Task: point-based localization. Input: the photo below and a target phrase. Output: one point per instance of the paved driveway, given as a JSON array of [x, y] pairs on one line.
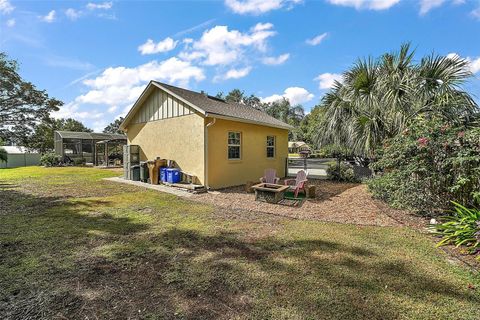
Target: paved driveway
[[317, 168]]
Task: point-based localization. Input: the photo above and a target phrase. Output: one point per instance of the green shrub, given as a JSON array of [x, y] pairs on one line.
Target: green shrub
[[341, 172], [50, 159], [461, 228], [428, 166], [79, 161], [3, 155]]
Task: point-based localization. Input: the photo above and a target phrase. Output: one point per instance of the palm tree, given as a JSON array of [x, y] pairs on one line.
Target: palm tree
[[378, 98]]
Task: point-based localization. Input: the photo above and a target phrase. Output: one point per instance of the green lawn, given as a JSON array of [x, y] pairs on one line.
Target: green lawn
[[74, 246]]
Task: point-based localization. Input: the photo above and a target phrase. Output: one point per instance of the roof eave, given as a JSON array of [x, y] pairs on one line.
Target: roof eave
[[219, 116], [140, 100]]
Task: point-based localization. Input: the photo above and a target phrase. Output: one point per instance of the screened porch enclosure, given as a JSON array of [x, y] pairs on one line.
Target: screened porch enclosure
[[99, 149]]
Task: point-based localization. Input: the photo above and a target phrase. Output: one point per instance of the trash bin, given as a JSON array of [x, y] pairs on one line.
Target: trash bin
[[143, 171], [135, 174], [163, 174], [173, 175], [153, 167]]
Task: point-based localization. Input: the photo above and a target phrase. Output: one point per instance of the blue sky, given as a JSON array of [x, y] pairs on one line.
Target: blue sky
[[98, 56]]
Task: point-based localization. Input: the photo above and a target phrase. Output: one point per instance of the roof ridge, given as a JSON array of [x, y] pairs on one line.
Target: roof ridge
[[213, 105]]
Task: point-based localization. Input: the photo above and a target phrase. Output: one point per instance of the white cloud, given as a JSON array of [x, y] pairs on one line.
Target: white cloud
[[191, 29], [6, 7], [71, 110], [476, 13], [117, 88], [317, 40], [220, 46], [276, 60], [473, 63], [103, 5], [151, 47], [366, 4], [296, 95], [72, 14], [10, 23], [234, 74], [257, 7], [326, 80], [99, 125], [49, 18], [65, 62], [120, 86], [427, 5]]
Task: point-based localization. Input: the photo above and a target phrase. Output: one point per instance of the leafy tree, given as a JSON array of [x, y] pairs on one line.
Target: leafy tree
[[22, 105], [236, 95], [3, 155], [114, 127], [378, 98], [293, 115], [280, 109], [307, 127], [43, 140]]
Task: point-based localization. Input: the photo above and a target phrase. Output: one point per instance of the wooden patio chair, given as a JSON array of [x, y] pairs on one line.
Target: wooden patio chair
[[298, 184], [270, 176]]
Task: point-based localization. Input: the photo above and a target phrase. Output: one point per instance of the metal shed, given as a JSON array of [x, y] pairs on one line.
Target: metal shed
[[20, 157], [99, 149]]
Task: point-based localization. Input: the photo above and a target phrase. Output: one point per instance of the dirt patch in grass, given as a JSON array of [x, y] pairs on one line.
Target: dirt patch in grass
[[334, 202]]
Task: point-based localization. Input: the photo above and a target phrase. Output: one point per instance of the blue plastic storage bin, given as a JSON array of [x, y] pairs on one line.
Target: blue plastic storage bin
[[173, 175], [163, 174]]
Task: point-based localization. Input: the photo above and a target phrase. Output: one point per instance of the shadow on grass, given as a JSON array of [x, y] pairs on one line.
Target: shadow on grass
[[40, 237], [176, 273], [186, 274]]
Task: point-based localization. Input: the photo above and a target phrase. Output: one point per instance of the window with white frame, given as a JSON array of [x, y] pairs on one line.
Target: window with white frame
[[234, 145], [270, 146]]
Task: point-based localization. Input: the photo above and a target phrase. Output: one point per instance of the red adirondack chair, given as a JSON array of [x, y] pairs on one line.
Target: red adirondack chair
[[298, 184], [270, 176]]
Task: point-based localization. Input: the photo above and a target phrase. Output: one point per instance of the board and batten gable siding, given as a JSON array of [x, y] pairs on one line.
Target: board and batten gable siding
[[160, 105], [165, 127]]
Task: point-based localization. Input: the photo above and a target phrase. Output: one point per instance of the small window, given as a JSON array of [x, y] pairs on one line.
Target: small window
[[270, 146], [234, 145]]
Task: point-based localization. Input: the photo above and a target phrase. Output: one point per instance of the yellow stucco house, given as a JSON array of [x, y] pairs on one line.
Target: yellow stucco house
[[221, 143]]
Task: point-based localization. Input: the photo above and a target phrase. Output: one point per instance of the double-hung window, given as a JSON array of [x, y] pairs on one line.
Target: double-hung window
[[234, 145], [270, 146]]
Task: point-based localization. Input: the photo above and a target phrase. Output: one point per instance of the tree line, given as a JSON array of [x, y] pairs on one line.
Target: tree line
[[376, 100], [25, 112]]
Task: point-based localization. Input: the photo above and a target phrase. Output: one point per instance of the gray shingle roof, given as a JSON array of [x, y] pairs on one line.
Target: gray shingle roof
[[215, 106], [90, 135]]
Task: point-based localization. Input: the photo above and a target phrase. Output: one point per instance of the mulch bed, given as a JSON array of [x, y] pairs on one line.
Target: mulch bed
[[333, 202]]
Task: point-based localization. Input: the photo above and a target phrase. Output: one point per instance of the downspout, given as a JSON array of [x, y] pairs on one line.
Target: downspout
[[205, 151]]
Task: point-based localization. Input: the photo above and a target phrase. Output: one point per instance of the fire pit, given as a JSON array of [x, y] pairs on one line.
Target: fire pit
[[269, 192]]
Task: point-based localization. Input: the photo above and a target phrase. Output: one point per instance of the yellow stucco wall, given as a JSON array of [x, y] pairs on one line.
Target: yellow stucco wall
[[223, 172], [179, 138]]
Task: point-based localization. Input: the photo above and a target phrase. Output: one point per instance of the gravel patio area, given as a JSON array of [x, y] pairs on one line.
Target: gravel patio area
[[334, 202]]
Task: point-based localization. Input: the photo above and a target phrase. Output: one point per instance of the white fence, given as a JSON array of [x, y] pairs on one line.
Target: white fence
[[21, 160]]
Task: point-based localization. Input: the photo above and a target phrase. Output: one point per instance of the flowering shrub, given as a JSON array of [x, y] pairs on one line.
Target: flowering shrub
[[428, 166]]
